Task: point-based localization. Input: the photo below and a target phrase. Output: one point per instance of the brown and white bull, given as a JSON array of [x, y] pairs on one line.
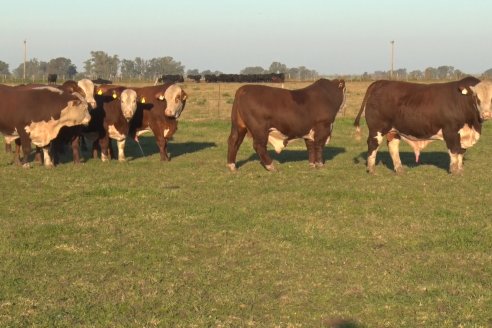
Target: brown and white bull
[[37, 115], [279, 116], [421, 113], [158, 109], [116, 106]]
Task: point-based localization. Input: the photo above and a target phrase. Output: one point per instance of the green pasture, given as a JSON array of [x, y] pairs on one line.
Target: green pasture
[[188, 244]]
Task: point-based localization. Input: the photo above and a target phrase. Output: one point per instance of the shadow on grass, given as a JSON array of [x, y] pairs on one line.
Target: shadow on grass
[[294, 155], [149, 147], [341, 323], [434, 158]]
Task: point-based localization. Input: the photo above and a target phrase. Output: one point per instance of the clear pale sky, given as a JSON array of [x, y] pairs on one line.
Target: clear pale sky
[[332, 37]]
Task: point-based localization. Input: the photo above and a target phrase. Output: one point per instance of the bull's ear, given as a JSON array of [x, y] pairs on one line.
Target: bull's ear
[[341, 84], [183, 95]]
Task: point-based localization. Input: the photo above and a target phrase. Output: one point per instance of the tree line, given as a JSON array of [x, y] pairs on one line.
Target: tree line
[[102, 65]]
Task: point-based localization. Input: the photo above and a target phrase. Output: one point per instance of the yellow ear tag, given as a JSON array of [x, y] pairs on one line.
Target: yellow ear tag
[[115, 96], [143, 100], [464, 92], [100, 92], [161, 97]]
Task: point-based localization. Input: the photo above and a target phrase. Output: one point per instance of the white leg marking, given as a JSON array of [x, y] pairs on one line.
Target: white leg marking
[[121, 150], [394, 146], [47, 158]]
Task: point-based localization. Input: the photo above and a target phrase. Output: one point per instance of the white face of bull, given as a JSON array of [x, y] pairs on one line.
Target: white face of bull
[[483, 95], [88, 87], [175, 98], [128, 103], [76, 113]]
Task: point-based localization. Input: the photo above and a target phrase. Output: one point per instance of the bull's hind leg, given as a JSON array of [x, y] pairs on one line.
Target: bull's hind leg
[[311, 152], [373, 142], [235, 139], [394, 150]]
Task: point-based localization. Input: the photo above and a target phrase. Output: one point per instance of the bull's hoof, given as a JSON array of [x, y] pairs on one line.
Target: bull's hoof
[[454, 169], [371, 170], [49, 166], [319, 165], [313, 165], [26, 165], [399, 170], [231, 167], [122, 160], [270, 168]]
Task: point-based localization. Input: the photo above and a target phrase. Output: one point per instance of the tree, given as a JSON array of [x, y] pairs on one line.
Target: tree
[[163, 65], [128, 69], [277, 67], [487, 74], [193, 72], [4, 68], [445, 72], [35, 69], [253, 70], [416, 75], [430, 73], [102, 65], [62, 67]]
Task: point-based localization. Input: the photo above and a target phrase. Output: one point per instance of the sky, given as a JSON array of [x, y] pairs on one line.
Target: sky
[[331, 37]]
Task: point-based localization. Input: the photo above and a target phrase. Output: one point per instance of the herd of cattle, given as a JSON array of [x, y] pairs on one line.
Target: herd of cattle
[[50, 116]]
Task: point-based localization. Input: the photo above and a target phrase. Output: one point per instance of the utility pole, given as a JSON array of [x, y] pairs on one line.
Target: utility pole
[[392, 58], [25, 58]]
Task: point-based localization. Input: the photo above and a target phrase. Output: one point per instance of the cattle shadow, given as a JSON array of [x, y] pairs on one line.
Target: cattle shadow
[[293, 155], [149, 147], [433, 158]]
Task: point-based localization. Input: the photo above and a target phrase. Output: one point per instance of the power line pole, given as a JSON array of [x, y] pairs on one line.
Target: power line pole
[[25, 58], [392, 58]]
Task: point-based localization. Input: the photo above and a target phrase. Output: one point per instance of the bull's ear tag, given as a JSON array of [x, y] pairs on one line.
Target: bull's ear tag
[[464, 91], [100, 92], [161, 97], [115, 96], [143, 100]]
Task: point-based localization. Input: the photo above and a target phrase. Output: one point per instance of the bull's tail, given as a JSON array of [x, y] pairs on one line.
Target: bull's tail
[[362, 108]]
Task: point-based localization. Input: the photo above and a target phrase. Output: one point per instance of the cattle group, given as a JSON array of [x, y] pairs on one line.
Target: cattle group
[[50, 116]]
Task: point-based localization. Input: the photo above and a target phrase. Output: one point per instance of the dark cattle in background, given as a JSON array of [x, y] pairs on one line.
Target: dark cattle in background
[[278, 116], [246, 78], [102, 81], [195, 78], [171, 78], [421, 113], [52, 78]]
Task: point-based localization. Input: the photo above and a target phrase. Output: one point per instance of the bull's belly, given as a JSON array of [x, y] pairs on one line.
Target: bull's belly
[[468, 137], [279, 140]]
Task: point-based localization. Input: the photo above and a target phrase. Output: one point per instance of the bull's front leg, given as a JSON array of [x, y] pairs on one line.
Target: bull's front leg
[[453, 142], [259, 144], [26, 149], [121, 150], [104, 144], [162, 144], [373, 141], [75, 144], [47, 157]]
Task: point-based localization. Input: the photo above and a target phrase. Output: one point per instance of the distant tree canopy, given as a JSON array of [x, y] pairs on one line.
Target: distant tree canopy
[[487, 74], [294, 73], [102, 65], [4, 68]]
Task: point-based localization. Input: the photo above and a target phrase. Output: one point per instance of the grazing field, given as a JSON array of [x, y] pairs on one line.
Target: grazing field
[[189, 244]]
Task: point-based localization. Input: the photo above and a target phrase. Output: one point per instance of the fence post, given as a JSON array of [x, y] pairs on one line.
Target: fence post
[[218, 105]]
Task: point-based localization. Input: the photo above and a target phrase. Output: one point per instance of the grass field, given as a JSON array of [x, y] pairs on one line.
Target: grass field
[[188, 244]]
